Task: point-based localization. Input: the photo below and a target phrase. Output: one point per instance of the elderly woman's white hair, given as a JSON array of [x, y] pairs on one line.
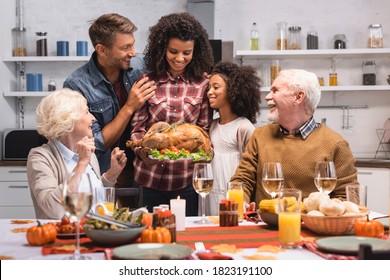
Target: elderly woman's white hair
[[302, 80], [57, 113]]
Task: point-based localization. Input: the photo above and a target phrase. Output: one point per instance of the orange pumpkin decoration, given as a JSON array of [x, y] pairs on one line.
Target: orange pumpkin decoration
[[41, 234], [156, 235], [371, 228], [147, 219]]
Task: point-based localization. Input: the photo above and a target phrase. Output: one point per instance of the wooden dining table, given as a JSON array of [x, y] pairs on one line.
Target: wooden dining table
[[247, 238]]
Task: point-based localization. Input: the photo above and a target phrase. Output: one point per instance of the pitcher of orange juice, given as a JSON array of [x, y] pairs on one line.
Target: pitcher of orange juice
[[105, 201]]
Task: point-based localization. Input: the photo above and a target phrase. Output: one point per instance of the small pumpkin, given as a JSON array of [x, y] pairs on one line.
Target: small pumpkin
[[156, 235], [41, 234], [147, 219], [367, 228]]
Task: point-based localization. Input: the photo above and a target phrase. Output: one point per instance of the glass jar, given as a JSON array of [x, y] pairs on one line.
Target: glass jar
[[375, 37], [333, 74], [254, 43], [275, 69], [369, 72], [312, 39], [51, 86], [19, 41], [321, 81], [281, 42], [340, 41], [295, 38], [41, 43]]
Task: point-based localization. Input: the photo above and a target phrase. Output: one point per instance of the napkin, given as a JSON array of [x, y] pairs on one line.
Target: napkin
[[212, 256], [314, 248], [68, 246]]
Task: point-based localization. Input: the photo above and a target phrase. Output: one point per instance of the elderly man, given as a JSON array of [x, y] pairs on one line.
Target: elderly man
[[295, 140]]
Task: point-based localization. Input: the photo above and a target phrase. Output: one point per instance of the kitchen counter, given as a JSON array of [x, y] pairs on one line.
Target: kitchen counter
[[372, 162], [13, 162]]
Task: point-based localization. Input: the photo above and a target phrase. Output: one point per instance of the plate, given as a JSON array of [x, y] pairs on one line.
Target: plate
[[350, 244], [152, 251], [69, 235]]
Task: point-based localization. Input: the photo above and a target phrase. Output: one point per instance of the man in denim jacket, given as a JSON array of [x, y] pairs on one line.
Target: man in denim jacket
[[113, 88]]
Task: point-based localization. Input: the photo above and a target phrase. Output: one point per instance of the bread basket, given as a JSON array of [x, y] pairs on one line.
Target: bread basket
[[332, 225]]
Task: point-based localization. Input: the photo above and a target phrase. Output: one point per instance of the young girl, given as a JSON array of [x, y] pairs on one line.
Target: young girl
[[234, 92]]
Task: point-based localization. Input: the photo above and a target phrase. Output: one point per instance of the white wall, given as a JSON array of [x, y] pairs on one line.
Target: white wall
[[69, 20], [233, 21]]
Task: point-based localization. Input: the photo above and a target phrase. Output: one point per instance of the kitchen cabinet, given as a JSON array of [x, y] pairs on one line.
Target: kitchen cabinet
[[327, 54], [15, 198], [378, 188]]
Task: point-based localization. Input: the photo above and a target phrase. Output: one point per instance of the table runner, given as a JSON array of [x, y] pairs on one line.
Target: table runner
[[242, 237]]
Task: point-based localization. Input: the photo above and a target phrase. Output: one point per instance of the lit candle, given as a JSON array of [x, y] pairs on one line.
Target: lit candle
[[178, 207]]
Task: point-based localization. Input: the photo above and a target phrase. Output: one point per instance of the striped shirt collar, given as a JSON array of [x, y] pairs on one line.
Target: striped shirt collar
[[304, 131]]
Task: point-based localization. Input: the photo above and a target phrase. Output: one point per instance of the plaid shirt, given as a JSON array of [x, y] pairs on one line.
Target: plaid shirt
[[176, 99], [304, 131]]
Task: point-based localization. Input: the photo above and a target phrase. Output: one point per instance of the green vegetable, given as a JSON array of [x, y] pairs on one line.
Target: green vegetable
[[170, 155]]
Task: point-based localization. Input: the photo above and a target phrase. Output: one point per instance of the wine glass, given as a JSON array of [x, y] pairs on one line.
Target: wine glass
[[203, 182], [273, 179], [77, 202], [325, 177]]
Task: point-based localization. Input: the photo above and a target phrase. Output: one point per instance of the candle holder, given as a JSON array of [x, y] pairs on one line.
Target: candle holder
[[168, 220], [228, 213]]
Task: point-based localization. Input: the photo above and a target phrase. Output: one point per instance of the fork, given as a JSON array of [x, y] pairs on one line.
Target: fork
[[199, 247]]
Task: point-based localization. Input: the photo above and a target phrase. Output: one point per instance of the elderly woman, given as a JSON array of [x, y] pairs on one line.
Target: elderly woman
[[63, 118]]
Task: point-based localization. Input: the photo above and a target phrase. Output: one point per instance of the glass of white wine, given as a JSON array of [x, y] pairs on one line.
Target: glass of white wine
[[325, 177], [273, 179], [202, 181], [77, 202]]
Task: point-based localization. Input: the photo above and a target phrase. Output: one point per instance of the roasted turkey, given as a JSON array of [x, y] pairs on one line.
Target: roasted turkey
[[162, 135]]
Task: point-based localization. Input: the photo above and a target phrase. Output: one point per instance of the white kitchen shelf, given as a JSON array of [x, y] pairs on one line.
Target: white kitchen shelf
[[45, 58], [346, 88], [26, 93], [312, 54]]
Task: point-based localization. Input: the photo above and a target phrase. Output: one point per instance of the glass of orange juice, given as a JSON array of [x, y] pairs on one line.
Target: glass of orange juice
[[105, 200], [236, 192], [289, 212]]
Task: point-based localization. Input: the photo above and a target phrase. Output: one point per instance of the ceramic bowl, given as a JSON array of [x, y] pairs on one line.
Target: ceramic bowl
[[114, 237], [270, 219]]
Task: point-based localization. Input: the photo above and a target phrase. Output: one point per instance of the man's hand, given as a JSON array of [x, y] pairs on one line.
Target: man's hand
[[141, 91]]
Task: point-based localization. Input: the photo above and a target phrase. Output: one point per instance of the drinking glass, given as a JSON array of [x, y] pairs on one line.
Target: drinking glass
[[236, 193], [289, 217], [325, 177], [202, 181], [104, 200], [273, 179], [77, 202]]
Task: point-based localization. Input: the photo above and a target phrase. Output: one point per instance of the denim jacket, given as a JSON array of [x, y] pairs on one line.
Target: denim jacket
[[101, 98]]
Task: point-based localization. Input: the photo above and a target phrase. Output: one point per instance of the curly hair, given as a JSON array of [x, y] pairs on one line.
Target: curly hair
[[57, 113], [103, 30], [243, 88], [184, 27]]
